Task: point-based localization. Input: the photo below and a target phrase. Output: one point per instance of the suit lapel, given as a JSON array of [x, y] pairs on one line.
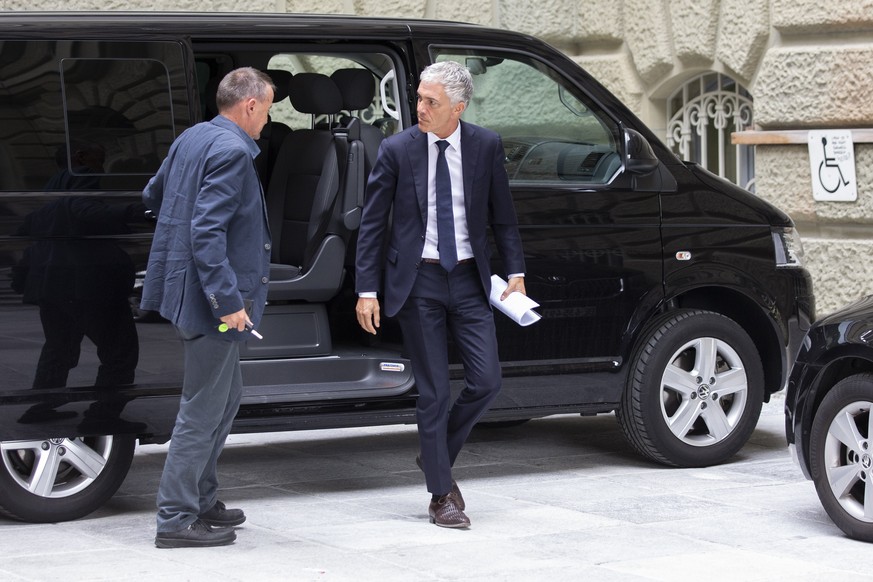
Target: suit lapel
[[469, 156], [417, 154]]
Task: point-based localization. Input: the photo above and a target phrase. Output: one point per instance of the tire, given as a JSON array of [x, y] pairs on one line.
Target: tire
[[694, 392], [53, 480], [841, 459]]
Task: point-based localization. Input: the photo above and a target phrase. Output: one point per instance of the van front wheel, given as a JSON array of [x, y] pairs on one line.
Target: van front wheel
[[59, 479], [695, 390]]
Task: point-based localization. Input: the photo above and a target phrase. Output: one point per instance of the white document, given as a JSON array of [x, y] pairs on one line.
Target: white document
[[519, 307]]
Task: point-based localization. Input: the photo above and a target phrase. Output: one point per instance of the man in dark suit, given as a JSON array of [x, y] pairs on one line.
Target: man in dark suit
[[443, 184], [210, 259]]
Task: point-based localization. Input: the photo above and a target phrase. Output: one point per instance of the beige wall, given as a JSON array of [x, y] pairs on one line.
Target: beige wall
[[807, 64]]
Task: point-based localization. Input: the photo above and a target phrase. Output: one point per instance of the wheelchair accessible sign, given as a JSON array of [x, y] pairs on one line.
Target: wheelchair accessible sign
[[832, 163]]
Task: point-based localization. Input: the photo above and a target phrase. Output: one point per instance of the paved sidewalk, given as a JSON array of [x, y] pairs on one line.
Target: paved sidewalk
[[555, 499]]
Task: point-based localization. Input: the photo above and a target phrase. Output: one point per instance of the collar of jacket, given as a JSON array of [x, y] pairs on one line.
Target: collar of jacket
[[225, 123]]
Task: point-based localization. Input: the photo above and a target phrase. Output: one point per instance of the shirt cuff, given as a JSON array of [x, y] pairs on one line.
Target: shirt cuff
[[516, 275], [368, 295]]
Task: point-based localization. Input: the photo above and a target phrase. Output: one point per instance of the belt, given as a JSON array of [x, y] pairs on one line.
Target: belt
[[437, 261]]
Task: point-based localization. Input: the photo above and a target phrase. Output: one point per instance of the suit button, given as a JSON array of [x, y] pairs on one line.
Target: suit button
[[265, 280], [268, 246]]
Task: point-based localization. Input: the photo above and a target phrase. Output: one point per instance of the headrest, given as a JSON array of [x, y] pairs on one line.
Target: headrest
[[280, 80], [357, 86], [209, 92], [314, 93]]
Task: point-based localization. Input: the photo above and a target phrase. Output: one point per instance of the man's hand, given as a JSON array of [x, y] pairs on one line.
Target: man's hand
[[514, 284], [367, 310], [237, 320]]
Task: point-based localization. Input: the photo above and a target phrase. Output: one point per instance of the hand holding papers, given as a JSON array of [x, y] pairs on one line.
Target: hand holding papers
[[517, 306]]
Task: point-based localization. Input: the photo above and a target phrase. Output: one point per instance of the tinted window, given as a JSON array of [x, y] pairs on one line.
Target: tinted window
[[551, 131], [73, 119]]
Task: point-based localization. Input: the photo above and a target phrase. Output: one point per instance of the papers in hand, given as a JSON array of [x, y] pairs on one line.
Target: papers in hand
[[517, 306]]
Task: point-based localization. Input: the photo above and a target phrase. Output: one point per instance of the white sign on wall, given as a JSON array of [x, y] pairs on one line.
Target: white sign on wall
[[832, 163]]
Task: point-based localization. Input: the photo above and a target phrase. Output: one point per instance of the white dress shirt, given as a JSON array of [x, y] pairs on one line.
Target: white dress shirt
[[456, 172], [459, 210]]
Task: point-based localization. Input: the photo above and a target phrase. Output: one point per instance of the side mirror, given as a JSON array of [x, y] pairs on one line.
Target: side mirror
[[639, 158]]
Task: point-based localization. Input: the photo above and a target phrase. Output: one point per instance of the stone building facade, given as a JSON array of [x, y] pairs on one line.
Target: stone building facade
[[804, 65]]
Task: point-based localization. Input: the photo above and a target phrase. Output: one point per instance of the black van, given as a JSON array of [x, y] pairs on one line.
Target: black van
[[668, 296]]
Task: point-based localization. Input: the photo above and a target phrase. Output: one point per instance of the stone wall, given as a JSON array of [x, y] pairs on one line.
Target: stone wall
[[807, 64]]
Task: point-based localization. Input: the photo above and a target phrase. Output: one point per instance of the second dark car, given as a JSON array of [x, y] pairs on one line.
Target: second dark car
[[828, 421]]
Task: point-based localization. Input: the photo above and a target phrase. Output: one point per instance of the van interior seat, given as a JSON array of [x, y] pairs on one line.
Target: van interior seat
[[209, 91], [310, 172], [274, 132], [358, 87]]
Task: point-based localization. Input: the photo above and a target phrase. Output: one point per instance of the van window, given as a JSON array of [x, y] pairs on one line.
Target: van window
[[551, 131], [73, 118], [374, 114]]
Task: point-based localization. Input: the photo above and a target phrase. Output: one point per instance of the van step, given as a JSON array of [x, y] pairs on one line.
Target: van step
[[339, 376]]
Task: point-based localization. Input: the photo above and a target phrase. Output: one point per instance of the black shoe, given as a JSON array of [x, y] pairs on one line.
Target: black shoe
[[459, 499], [221, 516], [196, 535]]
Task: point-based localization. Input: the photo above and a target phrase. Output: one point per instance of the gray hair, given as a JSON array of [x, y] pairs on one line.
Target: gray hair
[[454, 77], [241, 84]]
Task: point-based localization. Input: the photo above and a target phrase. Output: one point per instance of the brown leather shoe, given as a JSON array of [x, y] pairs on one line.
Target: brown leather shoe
[[455, 489], [445, 512]]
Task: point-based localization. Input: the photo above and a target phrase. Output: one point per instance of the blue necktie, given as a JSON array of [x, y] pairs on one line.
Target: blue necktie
[[445, 216]]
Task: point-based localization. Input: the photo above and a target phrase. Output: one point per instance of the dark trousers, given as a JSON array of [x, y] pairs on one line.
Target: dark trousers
[[441, 303], [211, 394]]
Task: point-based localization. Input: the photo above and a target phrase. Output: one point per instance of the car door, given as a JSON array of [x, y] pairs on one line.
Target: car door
[[591, 232]]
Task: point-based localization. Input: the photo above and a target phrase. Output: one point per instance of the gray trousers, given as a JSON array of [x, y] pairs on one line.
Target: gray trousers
[[211, 393]]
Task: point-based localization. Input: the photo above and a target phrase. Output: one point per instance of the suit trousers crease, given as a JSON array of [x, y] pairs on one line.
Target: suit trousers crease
[[211, 395], [441, 303]]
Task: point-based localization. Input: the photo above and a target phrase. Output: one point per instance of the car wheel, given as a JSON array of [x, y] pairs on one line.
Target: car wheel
[[841, 459], [695, 390], [60, 479]]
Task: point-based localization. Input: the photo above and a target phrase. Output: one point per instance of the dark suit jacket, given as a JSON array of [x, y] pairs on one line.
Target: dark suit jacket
[[398, 182], [211, 250]]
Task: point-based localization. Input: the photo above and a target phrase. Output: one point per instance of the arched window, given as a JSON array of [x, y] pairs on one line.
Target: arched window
[[702, 114]]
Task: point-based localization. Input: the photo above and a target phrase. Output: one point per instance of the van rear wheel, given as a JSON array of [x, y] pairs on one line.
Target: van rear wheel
[[695, 390], [59, 479]]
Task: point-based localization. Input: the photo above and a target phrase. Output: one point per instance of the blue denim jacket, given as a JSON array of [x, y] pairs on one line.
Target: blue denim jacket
[[210, 256]]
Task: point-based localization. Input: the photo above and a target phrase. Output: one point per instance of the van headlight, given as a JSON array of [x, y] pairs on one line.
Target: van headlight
[[788, 248]]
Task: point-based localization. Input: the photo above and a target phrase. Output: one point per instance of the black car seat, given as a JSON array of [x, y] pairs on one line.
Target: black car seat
[[358, 86], [274, 132], [313, 196], [209, 92]]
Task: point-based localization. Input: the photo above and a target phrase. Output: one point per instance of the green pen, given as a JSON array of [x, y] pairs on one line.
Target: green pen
[[223, 327]]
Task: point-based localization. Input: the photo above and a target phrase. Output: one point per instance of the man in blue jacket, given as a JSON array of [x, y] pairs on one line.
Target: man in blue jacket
[[209, 262]]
